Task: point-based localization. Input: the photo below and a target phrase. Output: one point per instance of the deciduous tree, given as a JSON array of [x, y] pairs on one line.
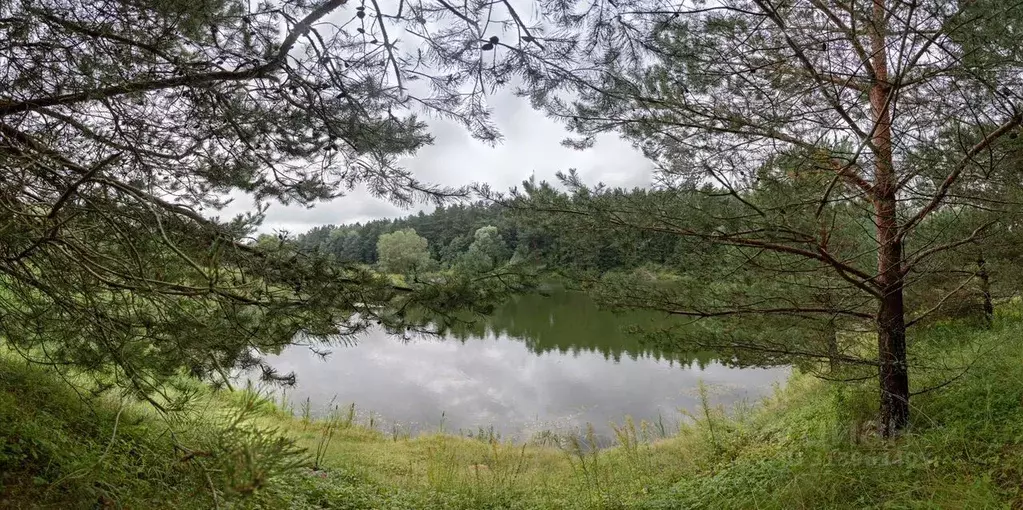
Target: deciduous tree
[[403, 251]]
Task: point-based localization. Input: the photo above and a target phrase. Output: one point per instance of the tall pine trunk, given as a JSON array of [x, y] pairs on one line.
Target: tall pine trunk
[[891, 320], [891, 337]]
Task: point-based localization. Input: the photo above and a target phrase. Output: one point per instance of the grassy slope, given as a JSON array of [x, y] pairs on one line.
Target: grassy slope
[[54, 449], [805, 448]]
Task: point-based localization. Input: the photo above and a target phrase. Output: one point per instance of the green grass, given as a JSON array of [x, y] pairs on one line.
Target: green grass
[[58, 450], [809, 446]]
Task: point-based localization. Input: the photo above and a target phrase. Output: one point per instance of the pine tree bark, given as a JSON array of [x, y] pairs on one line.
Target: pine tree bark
[[891, 319], [985, 291], [891, 349]]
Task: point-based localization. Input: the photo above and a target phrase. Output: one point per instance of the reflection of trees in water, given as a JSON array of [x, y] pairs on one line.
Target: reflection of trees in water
[[568, 322]]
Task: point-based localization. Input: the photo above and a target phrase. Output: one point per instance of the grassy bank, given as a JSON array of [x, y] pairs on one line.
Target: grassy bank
[[809, 446]]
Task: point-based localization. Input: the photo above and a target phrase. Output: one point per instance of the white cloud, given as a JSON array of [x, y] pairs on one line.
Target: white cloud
[[532, 146]]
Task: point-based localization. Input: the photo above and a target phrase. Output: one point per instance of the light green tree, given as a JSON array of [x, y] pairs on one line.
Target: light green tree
[[486, 252], [403, 251]]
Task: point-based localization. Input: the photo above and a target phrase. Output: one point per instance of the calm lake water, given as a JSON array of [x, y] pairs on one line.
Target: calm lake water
[[538, 363]]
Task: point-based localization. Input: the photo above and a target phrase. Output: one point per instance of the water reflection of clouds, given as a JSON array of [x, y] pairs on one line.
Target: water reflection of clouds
[[500, 382]]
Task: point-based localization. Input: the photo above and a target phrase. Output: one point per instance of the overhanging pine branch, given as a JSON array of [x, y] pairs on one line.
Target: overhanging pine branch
[[953, 176], [300, 29]]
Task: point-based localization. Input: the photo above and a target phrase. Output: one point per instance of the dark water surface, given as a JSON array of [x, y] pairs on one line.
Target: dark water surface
[[539, 363]]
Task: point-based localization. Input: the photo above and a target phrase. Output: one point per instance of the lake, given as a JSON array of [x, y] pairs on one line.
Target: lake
[[540, 362]]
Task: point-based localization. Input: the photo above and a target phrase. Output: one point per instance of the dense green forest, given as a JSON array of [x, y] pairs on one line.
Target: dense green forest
[[530, 231], [452, 231]]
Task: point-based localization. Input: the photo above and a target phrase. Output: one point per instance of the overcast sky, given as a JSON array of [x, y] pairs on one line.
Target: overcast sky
[[532, 146]]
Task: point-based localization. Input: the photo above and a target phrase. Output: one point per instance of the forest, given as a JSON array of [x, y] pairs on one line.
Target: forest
[[500, 235], [813, 303]]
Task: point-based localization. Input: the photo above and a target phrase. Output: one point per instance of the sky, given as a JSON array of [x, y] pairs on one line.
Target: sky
[[531, 146]]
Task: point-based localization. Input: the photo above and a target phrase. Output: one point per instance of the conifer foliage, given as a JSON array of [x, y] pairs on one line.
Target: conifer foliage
[[124, 127]]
